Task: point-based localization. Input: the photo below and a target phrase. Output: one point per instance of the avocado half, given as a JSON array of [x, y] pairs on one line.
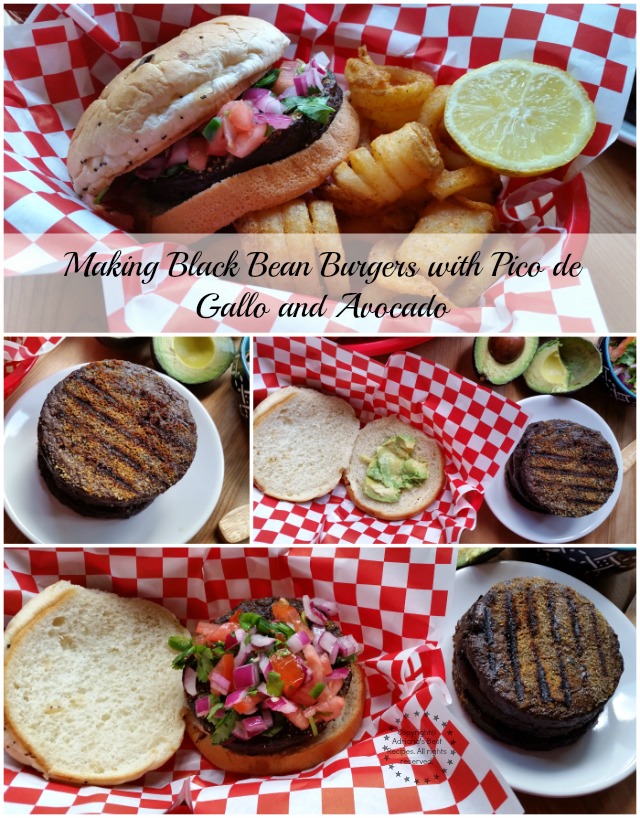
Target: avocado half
[[194, 359], [496, 372], [563, 365]]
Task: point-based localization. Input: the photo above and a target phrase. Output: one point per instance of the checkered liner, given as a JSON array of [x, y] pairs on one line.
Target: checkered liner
[[60, 60], [18, 349], [476, 428], [393, 601]]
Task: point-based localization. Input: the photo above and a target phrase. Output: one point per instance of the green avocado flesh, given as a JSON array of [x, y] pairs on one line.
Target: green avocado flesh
[[491, 370], [563, 365], [393, 469], [193, 360]]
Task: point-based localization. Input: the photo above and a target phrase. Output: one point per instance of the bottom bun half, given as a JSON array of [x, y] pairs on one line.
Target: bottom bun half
[[264, 186], [332, 740]]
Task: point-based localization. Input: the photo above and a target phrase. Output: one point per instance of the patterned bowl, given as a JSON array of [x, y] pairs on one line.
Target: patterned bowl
[[611, 380], [240, 377], [586, 562]]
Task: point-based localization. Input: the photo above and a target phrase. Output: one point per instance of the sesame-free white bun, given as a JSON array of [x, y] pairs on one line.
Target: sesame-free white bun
[[163, 96], [302, 441], [412, 500], [90, 695]]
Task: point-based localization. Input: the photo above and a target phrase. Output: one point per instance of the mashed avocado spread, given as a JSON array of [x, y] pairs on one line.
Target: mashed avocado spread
[[393, 469]]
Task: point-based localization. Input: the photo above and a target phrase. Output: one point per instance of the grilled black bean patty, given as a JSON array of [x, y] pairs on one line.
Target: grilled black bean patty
[[535, 663], [112, 436]]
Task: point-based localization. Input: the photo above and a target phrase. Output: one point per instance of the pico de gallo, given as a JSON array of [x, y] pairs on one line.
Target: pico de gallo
[[622, 354], [273, 672]]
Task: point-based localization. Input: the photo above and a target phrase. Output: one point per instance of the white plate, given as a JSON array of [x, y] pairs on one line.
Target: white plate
[[174, 517], [604, 755], [548, 528]]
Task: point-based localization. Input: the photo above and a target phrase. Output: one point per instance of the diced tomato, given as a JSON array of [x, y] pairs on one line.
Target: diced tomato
[[246, 142], [225, 668], [240, 115], [218, 147], [291, 673], [288, 71], [314, 663], [303, 695], [298, 718], [329, 709], [211, 632], [334, 685], [198, 152], [248, 704], [283, 611]]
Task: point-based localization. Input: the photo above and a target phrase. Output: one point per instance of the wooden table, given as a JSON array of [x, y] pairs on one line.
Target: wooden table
[[621, 798], [220, 401], [37, 304], [620, 526]]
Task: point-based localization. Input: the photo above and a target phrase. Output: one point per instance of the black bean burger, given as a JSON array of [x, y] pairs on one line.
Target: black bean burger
[[205, 129], [535, 663], [273, 686], [113, 436]]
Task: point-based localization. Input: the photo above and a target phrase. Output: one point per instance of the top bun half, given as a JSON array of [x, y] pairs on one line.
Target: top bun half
[[166, 94]]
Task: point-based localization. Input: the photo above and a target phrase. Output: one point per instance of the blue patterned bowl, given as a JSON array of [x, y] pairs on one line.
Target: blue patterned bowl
[[611, 380], [240, 377]]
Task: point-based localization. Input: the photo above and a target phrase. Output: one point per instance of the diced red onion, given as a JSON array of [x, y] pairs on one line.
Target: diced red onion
[[348, 645], [179, 153], [240, 731], [278, 121], [231, 640], [254, 725], [260, 641], [262, 688], [256, 94], [189, 679], [312, 614], [246, 675], [218, 683], [265, 666], [325, 606], [268, 718], [202, 706], [327, 641], [320, 62], [153, 167], [288, 92], [280, 704], [297, 641], [235, 697], [338, 673], [244, 652]]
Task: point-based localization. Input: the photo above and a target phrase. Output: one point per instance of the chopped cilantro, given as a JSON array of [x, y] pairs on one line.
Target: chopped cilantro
[[225, 727], [314, 107]]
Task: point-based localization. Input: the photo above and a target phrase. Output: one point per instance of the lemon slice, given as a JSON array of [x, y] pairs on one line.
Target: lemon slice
[[519, 117]]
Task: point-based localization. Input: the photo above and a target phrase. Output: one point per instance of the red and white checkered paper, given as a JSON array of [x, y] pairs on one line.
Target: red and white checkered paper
[[59, 61], [393, 601], [475, 426], [20, 353]]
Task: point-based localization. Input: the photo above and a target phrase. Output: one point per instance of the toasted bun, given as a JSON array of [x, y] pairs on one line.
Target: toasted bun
[[163, 96], [90, 696], [411, 500], [302, 441], [266, 185], [332, 740]]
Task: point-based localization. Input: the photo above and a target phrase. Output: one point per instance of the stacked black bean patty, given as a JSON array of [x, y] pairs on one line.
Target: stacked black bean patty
[[535, 663], [112, 436], [563, 468]]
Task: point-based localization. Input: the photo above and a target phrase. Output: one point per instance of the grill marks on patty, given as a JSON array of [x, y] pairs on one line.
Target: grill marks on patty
[[535, 662], [116, 434], [562, 468]]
